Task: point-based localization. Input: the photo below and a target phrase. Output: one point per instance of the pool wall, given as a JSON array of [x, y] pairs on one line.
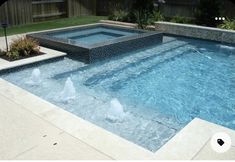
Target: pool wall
[[195, 31], [98, 51], [124, 45]]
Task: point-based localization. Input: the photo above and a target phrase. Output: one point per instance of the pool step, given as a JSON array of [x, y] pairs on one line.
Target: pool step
[[122, 61], [128, 61], [141, 70], [131, 68]]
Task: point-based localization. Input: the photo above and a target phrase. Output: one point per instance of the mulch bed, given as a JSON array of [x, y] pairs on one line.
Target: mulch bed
[[21, 57]]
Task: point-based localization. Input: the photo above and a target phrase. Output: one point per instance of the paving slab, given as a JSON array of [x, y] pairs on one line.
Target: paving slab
[[62, 146], [26, 136], [20, 129], [208, 154]]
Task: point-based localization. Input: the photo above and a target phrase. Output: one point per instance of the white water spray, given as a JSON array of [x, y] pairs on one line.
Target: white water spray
[[68, 93], [35, 78], [115, 111]]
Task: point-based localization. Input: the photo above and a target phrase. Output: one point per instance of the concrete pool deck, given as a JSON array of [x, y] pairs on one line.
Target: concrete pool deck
[[32, 128]]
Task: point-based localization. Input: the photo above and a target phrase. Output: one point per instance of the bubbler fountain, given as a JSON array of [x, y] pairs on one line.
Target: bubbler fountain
[[35, 78], [116, 111]]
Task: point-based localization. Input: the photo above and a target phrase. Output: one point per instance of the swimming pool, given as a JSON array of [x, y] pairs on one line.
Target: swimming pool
[[161, 88]]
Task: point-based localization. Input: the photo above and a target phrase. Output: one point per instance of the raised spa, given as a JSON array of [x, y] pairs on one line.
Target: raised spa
[[92, 43]]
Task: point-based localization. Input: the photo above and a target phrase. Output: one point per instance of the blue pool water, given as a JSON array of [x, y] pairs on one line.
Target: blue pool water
[[94, 35], [162, 88]]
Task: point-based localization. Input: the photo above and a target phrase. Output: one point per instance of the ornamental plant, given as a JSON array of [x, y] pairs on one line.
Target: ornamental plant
[[22, 47], [228, 24]]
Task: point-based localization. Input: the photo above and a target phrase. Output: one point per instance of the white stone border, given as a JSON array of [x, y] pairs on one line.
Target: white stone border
[[125, 24], [101, 22], [195, 31], [131, 25], [191, 140], [49, 54]]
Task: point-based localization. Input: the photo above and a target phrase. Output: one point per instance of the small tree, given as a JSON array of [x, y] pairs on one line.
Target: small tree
[[206, 12], [142, 11]]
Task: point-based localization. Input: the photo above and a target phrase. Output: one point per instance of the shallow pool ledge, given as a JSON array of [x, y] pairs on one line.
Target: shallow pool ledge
[[196, 31]]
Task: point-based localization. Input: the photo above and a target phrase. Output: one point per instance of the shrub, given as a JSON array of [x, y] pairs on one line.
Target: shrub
[[119, 15], [206, 12], [157, 16], [142, 12], [142, 19], [22, 47], [180, 19], [13, 55], [228, 24]]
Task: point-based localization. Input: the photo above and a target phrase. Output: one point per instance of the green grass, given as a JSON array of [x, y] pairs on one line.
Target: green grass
[[59, 23]]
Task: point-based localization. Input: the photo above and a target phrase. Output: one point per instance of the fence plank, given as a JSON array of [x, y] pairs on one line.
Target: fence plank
[[81, 7], [46, 10], [16, 12]]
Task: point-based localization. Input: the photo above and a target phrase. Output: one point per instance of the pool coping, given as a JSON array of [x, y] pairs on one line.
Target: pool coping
[[44, 34], [103, 140], [186, 30], [197, 31], [49, 54]]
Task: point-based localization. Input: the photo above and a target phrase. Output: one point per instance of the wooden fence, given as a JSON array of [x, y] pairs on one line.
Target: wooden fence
[[185, 8], [169, 8], [17, 12], [46, 10], [105, 7], [81, 7]]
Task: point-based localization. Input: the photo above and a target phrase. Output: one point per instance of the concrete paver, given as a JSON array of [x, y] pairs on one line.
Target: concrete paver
[[208, 154], [26, 136], [62, 146]]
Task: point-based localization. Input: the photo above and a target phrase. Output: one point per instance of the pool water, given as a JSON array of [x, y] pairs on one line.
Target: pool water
[[162, 88], [94, 35]]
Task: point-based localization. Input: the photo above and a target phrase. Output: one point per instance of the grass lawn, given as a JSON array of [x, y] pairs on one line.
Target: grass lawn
[[59, 23]]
